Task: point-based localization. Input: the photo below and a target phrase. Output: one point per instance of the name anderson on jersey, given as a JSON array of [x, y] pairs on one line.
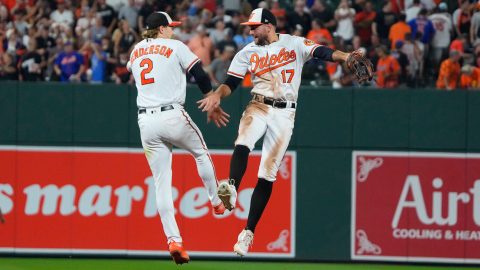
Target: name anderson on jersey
[[152, 49]]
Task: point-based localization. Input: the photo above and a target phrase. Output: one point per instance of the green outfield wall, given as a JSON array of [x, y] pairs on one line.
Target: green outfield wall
[[329, 125]]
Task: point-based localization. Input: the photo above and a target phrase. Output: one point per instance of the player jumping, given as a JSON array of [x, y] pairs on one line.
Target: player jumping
[[159, 64], [275, 62]]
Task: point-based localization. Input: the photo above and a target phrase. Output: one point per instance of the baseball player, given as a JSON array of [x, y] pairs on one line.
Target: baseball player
[[159, 64], [275, 62]]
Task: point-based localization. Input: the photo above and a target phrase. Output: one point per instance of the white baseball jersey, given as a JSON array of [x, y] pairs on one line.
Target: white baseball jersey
[[276, 68], [442, 22], [159, 67], [345, 26], [276, 73]]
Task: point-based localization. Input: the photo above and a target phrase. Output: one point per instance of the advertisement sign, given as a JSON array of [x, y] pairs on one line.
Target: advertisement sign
[[411, 206], [80, 200]]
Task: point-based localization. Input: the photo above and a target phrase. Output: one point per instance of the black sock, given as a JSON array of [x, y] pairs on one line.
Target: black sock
[[261, 195], [238, 164]]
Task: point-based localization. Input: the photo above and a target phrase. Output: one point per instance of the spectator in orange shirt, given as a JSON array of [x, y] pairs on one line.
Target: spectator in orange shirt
[[388, 69], [277, 10], [470, 78], [459, 44], [319, 34], [449, 72], [398, 30]]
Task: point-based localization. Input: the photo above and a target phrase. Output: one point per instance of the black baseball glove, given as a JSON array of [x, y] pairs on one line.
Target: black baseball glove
[[360, 66]]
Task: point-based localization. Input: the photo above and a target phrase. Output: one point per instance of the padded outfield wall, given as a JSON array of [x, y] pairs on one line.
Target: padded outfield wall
[[412, 132]]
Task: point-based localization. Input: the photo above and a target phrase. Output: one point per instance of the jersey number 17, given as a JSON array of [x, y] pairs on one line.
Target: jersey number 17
[[290, 73]]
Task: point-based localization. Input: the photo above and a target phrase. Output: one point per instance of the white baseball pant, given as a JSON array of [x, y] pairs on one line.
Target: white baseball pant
[[159, 131], [276, 124]]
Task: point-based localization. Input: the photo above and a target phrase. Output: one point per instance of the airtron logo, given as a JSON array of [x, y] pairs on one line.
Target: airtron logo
[[436, 215], [416, 206]]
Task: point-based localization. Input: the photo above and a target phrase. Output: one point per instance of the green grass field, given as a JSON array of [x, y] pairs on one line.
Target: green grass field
[[119, 264]]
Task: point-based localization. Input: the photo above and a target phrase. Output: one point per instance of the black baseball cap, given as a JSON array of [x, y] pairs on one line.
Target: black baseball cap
[[261, 16], [158, 19]]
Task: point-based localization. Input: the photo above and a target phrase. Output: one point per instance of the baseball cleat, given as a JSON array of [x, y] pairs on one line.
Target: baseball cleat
[[219, 209], [245, 240], [228, 194], [178, 253]]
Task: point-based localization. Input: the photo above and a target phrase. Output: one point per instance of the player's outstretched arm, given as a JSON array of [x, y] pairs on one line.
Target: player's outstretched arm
[[355, 62], [328, 54], [202, 79], [212, 100], [219, 117], [339, 56]]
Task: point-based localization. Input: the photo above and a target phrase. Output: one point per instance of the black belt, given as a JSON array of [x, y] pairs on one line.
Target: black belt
[[163, 108], [273, 102]]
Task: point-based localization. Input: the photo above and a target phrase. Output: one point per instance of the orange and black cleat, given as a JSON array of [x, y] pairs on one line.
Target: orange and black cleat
[[219, 209], [178, 253]]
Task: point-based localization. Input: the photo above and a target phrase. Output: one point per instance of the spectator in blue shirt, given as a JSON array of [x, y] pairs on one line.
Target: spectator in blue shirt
[[99, 63], [243, 37], [423, 25], [69, 64]]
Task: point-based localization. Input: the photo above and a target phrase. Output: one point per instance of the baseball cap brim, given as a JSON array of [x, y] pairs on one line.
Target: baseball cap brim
[[251, 23], [175, 23]]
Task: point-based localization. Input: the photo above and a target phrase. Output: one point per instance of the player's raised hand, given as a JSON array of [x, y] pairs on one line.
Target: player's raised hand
[[219, 117], [209, 103]]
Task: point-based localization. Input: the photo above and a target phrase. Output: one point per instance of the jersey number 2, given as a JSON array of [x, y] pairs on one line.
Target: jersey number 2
[[290, 73], [148, 64]]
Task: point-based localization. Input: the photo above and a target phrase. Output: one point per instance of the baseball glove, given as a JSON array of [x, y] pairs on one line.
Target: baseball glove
[[360, 66]]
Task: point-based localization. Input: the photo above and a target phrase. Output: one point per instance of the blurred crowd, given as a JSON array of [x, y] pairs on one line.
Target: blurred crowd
[[412, 43]]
